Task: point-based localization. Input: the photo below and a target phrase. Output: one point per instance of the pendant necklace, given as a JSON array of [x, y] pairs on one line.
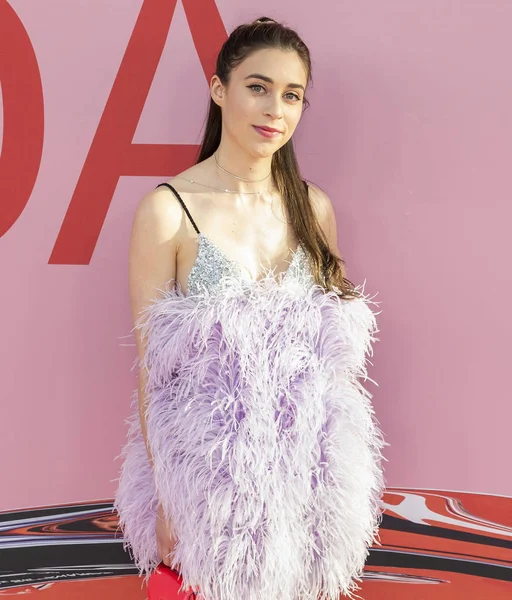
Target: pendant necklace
[[232, 175]]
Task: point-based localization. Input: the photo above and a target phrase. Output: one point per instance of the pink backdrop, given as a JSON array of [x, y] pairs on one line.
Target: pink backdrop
[[408, 131]]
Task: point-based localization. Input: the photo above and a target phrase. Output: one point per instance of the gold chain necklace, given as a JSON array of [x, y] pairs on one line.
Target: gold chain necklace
[[219, 189], [236, 176], [232, 175]]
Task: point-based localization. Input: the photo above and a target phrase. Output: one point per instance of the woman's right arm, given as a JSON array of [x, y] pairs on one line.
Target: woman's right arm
[[152, 263], [154, 244]]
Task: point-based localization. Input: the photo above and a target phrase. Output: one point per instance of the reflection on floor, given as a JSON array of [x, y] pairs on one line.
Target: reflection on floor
[[435, 545]]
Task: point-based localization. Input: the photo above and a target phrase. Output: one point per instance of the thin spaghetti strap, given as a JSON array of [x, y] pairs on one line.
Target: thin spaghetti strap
[[182, 204]]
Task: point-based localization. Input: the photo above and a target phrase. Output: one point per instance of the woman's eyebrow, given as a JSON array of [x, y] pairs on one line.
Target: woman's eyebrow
[[269, 80]]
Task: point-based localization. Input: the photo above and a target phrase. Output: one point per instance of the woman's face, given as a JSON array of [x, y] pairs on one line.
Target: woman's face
[[265, 90]]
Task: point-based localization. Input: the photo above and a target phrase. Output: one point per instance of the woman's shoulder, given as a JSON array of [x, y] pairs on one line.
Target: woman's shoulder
[[320, 202], [160, 205]]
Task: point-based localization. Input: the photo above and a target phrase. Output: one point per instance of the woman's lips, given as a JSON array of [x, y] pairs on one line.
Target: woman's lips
[[265, 133]]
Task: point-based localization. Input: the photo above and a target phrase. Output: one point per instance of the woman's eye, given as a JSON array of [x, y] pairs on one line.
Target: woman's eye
[[256, 85]]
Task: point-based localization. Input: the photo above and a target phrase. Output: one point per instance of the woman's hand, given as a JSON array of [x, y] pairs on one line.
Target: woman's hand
[[165, 537], [166, 540]]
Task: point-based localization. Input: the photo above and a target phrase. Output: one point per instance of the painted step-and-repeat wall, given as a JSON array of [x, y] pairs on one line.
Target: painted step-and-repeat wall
[[408, 132]]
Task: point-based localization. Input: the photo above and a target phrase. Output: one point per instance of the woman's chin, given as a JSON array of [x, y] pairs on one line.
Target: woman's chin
[[264, 150]]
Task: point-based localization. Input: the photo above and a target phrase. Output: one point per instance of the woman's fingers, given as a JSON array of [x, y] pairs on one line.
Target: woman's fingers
[[167, 559], [166, 540]]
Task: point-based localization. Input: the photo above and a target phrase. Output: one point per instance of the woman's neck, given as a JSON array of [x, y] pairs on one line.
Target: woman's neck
[[232, 168]]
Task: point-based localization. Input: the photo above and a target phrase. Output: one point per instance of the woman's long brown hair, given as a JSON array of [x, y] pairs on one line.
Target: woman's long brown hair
[[328, 268]]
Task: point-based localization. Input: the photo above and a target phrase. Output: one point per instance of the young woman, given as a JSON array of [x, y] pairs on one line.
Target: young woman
[[253, 464]]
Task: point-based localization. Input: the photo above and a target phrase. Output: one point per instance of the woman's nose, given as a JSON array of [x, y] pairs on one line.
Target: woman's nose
[[275, 107]]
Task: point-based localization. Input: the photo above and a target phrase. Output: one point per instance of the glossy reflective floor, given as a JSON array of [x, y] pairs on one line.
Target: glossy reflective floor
[[435, 544]]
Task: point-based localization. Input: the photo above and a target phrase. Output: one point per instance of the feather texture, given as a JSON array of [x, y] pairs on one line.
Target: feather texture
[[267, 453]]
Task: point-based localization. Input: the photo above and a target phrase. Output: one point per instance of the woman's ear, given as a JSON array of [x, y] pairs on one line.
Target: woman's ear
[[217, 90]]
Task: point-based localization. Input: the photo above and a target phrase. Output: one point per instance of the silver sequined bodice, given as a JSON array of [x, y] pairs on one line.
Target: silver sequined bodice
[[212, 265]]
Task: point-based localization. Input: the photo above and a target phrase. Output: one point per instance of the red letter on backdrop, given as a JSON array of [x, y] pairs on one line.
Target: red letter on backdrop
[[23, 118], [112, 153]]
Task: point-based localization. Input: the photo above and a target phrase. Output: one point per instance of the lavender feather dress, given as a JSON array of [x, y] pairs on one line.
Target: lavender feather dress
[[267, 451]]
